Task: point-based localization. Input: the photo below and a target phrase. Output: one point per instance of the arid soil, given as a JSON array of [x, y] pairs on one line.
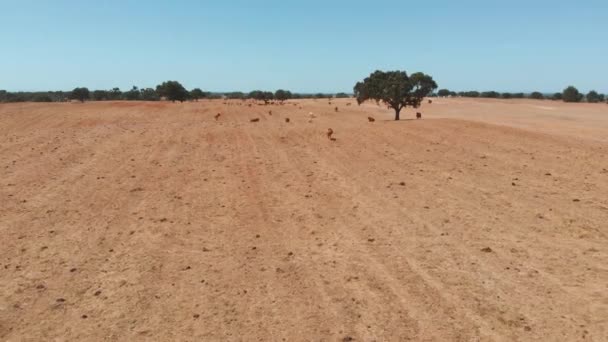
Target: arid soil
[[487, 220]]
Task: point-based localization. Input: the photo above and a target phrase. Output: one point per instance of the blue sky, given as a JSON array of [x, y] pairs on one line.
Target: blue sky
[[305, 46]]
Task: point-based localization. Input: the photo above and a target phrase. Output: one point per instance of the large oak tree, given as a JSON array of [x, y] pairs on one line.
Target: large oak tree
[[395, 89]]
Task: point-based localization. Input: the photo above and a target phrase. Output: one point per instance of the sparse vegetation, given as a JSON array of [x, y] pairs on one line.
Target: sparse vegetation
[[395, 89]]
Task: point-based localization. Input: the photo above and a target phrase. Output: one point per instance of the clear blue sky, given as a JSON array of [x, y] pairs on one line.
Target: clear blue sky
[[305, 46]]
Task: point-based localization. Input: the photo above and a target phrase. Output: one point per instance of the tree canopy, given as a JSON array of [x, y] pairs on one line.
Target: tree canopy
[[395, 89], [197, 94], [443, 93], [80, 94], [282, 95], [259, 95], [571, 94], [594, 97], [537, 95], [173, 91]]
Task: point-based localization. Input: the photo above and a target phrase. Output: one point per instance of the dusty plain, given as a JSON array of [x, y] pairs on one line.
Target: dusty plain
[[487, 220]]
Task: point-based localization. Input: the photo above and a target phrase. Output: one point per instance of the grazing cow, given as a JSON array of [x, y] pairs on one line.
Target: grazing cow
[[370, 119], [418, 115], [217, 116], [330, 132], [287, 120], [255, 120]]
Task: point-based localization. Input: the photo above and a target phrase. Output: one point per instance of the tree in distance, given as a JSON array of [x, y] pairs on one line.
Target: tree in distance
[[42, 98], [132, 95], [114, 94], [490, 94], [80, 94], [197, 93], [100, 95], [282, 95], [268, 96], [571, 94], [443, 93], [594, 97], [342, 96], [395, 89], [557, 96], [537, 95], [149, 94], [172, 91], [236, 95], [469, 94]]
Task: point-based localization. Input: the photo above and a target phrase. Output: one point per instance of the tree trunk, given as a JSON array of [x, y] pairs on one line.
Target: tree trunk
[[397, 112]]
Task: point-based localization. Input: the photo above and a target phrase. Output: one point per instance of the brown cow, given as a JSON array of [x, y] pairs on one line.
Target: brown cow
[[330, 132], [418, 115], [370, 119], [217, 116], [255, 120]]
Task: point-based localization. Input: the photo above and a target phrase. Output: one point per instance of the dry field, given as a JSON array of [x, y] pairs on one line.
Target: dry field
[[487, 220]]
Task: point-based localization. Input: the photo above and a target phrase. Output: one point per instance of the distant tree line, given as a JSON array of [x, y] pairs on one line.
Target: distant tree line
[[170, 90], [570, 94]]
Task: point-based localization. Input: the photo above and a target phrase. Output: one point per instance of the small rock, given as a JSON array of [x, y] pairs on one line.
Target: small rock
[[487, 250]]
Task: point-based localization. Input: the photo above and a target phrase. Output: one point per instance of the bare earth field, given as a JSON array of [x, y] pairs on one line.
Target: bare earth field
[[485, 221]]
